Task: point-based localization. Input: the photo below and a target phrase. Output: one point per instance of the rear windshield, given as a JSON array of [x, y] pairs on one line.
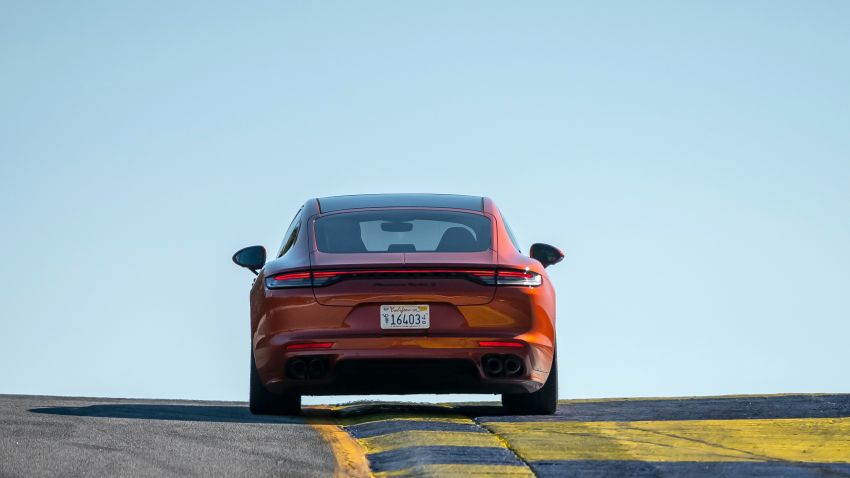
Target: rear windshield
[[403, 231]]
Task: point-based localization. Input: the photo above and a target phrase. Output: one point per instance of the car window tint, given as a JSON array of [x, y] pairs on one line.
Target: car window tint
[[291, 234], [406, 230]]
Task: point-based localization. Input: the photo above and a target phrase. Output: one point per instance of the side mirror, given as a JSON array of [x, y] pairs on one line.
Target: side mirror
[[546, 254], [253, 258]]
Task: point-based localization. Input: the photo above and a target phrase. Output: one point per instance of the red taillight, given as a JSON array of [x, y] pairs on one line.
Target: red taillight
[[290, 279], [403, 271], [487, 277], [292, 276], [499, 343], [323, 278], [527, 278], [312, 345]]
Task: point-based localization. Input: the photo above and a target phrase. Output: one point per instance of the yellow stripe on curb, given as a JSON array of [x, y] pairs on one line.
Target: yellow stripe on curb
[[813, 440], [425, 443], [414, 438], [350, 458], [570, 401], [477, 471]]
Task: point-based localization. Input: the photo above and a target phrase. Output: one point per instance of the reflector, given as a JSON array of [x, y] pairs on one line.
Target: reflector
[[498, 343], [312, 345]]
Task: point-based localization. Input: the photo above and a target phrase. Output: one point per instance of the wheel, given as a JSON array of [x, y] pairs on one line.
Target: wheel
[[263, 402], [541, 402]]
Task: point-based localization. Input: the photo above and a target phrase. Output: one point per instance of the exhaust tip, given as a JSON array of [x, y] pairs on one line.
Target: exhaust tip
[[493, 366], [316, 368], [297, 368], [513, 366]]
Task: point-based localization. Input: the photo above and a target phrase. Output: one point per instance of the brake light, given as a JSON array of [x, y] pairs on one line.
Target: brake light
[[291, 279], [526, 278], [311, 345], [499, 343], [487, 277], [323, 278]]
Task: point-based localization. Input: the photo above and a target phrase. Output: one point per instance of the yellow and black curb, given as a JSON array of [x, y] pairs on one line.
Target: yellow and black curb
[[778, 435], [426, 440], [350, 460]]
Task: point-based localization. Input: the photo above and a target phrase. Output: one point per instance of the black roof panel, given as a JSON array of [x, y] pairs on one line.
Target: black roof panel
[[362, 201]]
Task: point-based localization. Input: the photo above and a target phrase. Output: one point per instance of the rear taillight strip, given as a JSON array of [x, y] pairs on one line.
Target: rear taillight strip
[[403, 271], [501, 344], [310, 345], [323, 278], [527, 278], [288, 280]]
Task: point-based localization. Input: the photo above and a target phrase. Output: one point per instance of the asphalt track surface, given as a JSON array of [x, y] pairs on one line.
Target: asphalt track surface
[[51, 436], [778, 435]]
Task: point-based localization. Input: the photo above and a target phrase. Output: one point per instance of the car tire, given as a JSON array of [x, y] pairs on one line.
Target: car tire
[[541, 402], [263, 402]]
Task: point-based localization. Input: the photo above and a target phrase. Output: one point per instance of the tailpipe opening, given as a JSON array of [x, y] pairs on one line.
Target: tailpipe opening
[[316, 368], [513, 366], [493, 366], [502, 365], [297, 368], [307, 368]]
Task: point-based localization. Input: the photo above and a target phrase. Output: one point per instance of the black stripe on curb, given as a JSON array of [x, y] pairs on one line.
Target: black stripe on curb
[[371, 429], [642, 469], [432, 455]]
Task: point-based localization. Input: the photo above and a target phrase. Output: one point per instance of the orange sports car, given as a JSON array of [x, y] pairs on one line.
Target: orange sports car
[[399, 294]]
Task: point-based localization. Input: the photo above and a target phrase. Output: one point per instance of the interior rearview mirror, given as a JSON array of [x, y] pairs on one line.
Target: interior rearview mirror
[[253, 258], [546, 254]]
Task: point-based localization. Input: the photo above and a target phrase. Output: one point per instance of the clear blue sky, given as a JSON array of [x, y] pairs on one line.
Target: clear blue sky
[[692, 158]]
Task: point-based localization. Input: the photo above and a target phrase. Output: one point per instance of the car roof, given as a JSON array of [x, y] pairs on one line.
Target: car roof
[[365, 201]]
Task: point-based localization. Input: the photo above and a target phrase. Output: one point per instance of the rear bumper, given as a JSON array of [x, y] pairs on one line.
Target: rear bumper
[[445, 358], [404, 365]]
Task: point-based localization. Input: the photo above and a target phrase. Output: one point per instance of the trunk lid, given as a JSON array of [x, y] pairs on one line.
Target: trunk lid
[[403, 277]]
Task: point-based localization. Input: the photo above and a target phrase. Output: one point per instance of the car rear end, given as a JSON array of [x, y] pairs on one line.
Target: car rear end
[[404, 300]]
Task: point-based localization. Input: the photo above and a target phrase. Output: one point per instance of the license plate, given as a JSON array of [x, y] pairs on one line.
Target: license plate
[[405, 316]]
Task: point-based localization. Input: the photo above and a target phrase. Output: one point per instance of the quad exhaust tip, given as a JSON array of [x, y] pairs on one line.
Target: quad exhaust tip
[[512, 366], [297, 368], [316, 368], [307, 368], [502, 365], [493, 366]]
